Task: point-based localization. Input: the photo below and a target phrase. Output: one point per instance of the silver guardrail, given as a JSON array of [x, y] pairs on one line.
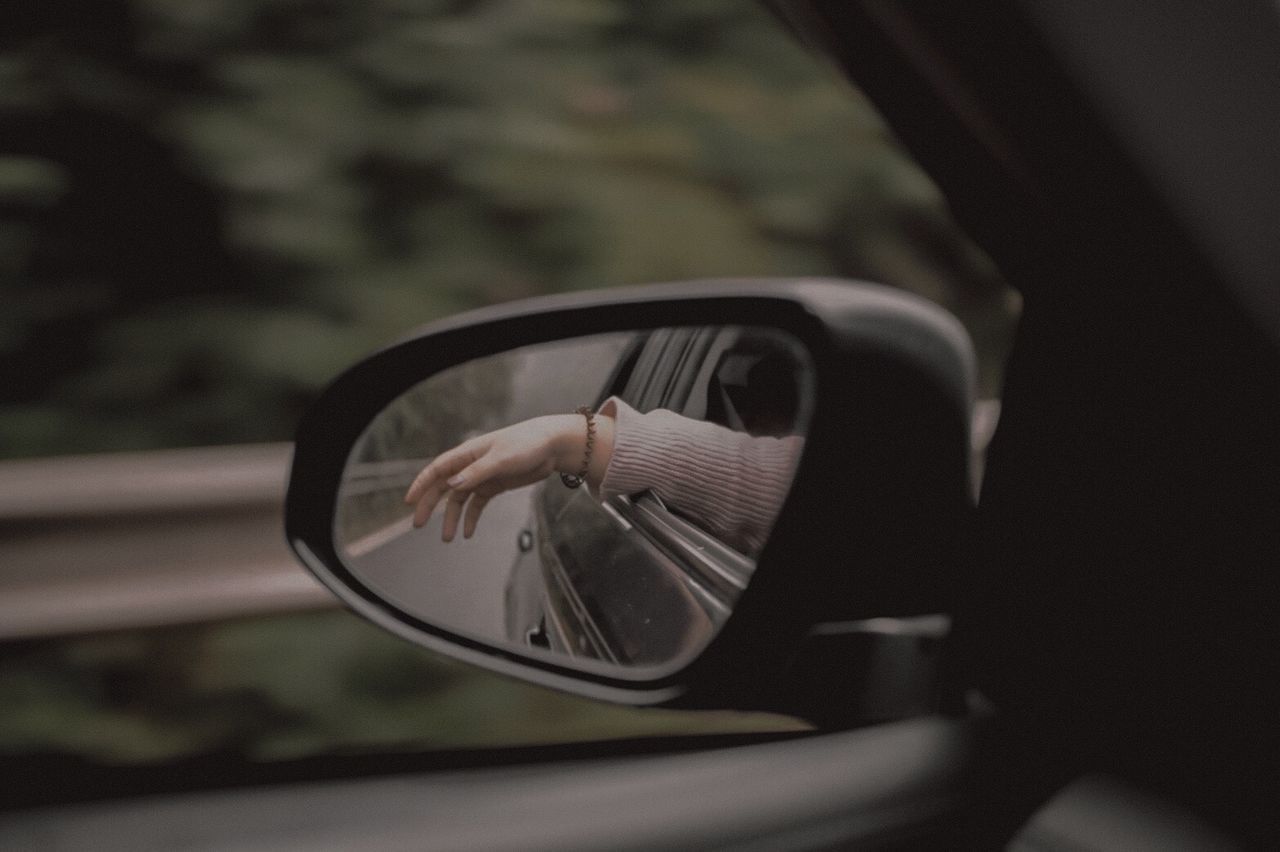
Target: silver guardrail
[[144, 539]]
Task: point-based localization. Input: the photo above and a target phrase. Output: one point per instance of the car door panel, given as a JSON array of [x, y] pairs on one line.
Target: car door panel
[[893, 786]]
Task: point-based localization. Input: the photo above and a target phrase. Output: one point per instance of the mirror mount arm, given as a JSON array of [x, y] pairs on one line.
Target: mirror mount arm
[[849, 674]]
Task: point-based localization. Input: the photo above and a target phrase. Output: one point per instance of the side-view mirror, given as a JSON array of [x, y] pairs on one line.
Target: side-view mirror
[[681, 494]]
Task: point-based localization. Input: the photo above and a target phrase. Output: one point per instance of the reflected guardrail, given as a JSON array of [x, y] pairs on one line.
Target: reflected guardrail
[[369, 477], [127, 540]]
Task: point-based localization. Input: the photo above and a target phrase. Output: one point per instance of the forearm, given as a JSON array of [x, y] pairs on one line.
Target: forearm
[[732, 483]]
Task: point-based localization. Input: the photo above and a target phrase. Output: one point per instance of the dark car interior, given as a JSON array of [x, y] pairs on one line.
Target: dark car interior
[[1126, 526], [755, 389]]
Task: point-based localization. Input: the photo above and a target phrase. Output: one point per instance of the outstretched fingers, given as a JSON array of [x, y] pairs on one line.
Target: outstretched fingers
[[468, 476], [426, 505], [464, 507], [463, 492], [433, 481], [474, 507], [441, 468]]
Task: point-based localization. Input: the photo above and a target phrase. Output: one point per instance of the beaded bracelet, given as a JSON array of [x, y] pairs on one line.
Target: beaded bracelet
[[570, 480]]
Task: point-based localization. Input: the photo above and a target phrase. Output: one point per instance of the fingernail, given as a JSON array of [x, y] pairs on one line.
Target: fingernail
[[457, 480]]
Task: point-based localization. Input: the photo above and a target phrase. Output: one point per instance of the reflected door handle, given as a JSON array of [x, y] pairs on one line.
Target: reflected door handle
[[537, 637]]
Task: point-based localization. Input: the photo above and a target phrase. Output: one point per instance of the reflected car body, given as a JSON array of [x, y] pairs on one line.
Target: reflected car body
[[628, 579]]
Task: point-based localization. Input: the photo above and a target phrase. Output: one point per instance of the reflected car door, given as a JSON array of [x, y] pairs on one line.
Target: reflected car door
[[590, 582], [598, 575]]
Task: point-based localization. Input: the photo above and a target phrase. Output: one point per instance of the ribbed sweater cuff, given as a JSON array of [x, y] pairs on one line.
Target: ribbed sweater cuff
[[732, 483]]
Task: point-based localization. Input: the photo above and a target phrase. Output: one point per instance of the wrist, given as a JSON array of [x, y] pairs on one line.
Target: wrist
[[569, 446], [569, 443]]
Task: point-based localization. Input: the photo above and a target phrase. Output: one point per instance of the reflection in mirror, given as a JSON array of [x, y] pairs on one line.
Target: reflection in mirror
[[600, 499]]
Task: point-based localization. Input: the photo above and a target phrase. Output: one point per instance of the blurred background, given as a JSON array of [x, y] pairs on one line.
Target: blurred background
[[209, 207]]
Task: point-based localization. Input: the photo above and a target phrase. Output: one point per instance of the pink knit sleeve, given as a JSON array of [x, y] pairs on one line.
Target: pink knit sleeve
[[731, 483]]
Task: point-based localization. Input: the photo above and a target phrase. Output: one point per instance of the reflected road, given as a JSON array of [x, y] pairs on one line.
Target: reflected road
[[460, 585]]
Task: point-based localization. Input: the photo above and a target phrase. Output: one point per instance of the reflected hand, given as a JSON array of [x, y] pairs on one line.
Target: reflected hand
[[474, 472]]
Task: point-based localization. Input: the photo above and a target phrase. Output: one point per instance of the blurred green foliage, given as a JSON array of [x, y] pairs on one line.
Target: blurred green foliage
[[207, 209], [291, 686], [210, 207]]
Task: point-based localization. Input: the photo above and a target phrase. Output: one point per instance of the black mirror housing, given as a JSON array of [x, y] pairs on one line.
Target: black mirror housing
[[868, 530]]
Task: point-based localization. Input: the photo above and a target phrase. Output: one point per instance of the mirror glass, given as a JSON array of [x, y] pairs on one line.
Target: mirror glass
[[473, 501]]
